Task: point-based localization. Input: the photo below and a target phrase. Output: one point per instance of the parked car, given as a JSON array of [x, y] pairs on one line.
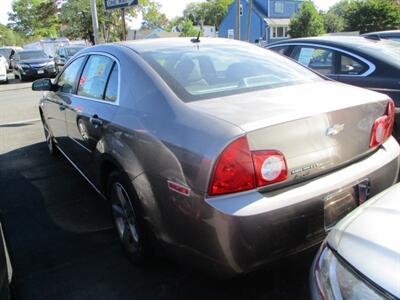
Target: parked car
[[30, 64], [8, 52], [360, 258], [3, 70], [64, 54], [5, 268], [393, 35], [353, 60], [228, 155]]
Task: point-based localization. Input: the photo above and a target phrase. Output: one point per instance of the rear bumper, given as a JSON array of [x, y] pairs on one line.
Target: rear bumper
[[238, 233]]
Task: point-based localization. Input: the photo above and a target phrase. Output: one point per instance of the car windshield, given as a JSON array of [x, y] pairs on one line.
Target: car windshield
[[73, 51], [202, 72], [24, 55]]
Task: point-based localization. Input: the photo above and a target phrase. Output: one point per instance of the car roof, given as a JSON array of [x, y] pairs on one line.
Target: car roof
[[166, 43], [337, 40], [385, 33]]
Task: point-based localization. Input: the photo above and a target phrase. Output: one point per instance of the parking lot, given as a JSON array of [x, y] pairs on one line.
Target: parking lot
[[62, 242]]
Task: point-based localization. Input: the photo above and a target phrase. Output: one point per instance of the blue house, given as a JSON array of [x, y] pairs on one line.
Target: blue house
[[269, 20]]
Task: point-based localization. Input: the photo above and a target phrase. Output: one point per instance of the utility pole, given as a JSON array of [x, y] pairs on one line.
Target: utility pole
[[95, 23], [123, 25], [249, 19], [238, 19]]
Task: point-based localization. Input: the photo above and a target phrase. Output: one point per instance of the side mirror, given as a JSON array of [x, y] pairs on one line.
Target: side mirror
[[44, 84]]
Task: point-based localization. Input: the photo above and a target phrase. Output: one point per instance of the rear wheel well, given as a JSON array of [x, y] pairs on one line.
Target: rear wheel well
[[107, 167]]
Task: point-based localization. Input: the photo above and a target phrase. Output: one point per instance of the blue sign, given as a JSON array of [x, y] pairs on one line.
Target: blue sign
[[111, 4]]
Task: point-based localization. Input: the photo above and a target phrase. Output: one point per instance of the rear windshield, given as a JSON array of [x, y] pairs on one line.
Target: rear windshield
[[385, 50], [202, 72], [32, 55]]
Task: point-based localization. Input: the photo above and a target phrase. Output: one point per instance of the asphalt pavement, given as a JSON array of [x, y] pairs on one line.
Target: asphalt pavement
[[60, 235]]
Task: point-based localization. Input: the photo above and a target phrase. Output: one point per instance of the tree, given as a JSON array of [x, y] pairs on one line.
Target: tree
[[372, 15], [34, 17], [333, 22], [187, 28], [152, 17], [207, 13], [9, 37], [306, 22]]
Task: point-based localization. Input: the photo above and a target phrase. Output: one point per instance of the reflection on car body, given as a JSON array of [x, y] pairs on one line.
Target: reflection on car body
[[195, 144]]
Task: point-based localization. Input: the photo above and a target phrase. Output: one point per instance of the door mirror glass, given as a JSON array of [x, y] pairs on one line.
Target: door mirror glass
[[44, 84]]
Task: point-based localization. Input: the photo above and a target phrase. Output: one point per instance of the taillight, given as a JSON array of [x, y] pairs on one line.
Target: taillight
[[270, 167], [238, 169], [234, 171], [383, 126]]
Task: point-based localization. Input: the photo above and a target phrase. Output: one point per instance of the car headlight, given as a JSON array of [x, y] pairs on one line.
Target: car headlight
[[336, 281]]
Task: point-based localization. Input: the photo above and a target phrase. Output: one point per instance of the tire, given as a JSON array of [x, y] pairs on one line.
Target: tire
[[128, 223], [49, 139]]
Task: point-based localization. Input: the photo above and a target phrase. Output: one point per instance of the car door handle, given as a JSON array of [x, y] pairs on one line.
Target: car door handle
[[96, 121]]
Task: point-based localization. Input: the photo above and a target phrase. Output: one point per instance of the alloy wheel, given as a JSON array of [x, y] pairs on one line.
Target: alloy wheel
[[124, 217]]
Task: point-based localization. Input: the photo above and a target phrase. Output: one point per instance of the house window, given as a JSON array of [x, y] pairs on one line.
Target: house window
[[279, 32], [279, 7]]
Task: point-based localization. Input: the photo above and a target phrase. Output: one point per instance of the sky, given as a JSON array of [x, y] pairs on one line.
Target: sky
[[171, 8]]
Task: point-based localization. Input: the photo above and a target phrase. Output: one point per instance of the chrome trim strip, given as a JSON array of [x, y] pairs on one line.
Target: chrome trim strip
[[383, 89], [79, 143], [80, 172], [371, 66]]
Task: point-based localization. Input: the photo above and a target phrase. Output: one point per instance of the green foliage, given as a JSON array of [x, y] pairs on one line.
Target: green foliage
[[306, 22], [188, 29], [9, 37], [333, 22], [152, 17], [35, 17], [372, 15], [207, 13]]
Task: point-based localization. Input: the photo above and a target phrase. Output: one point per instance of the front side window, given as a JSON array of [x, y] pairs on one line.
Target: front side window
[[203, 72], [280, 49], [67, 79], [94, 77], [351, 66], [319, 59]]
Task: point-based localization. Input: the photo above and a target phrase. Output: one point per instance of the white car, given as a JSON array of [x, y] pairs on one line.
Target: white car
[[3, 69], [360, 258]]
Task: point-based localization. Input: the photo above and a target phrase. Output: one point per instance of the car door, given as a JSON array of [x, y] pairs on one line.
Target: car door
[[321, 59], [92, 108], [57, 101]]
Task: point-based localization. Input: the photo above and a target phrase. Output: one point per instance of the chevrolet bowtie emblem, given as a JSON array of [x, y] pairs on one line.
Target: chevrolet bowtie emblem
[[335, 129]]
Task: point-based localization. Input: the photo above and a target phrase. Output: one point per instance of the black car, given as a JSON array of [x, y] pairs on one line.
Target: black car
[[64, 54], [393, 35], [367, 63], [30, 64]]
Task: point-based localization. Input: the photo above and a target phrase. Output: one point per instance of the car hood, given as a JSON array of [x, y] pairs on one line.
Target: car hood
[[369, 239], [35, 61]]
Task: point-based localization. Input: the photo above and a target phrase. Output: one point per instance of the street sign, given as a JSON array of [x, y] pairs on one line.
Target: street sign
[[112, 4]]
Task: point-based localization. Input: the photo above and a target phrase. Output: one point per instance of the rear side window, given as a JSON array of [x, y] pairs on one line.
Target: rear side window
[[112, 85], [318, 59], [280, 49], [351, 66], [66, 81], [93, 80]]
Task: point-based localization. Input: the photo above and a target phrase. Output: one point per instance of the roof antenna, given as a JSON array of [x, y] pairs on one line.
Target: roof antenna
[[196, 40]]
